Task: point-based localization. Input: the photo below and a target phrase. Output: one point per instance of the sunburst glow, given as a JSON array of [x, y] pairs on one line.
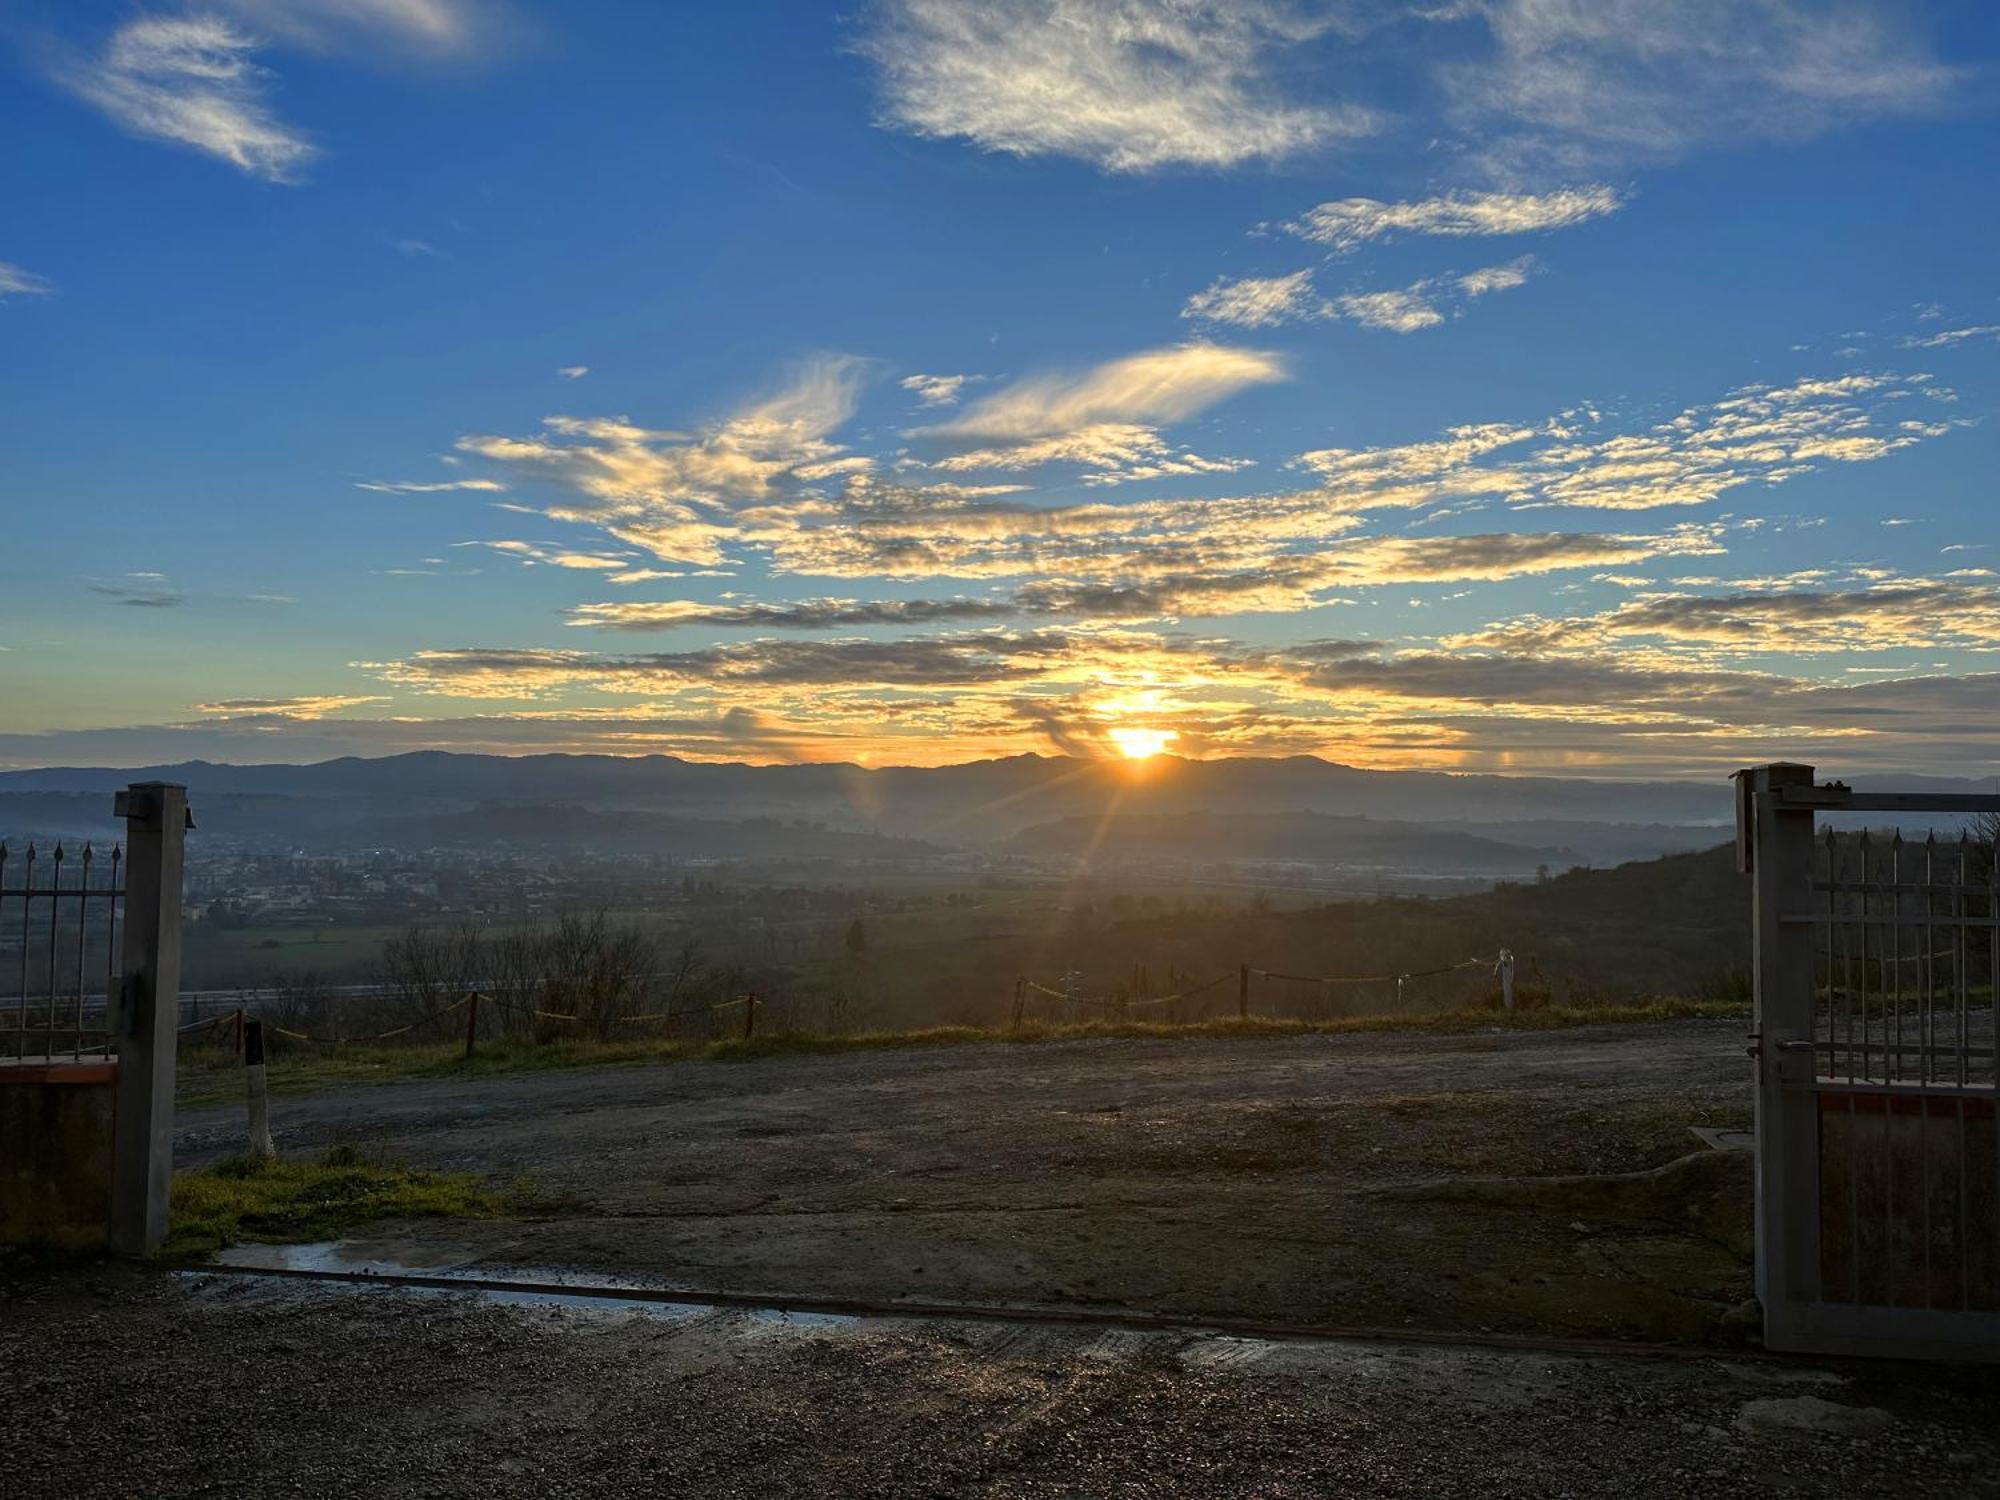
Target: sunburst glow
[[1135, 743]]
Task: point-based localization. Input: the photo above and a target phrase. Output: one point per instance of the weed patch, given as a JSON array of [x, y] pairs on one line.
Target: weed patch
[[249, 1198]]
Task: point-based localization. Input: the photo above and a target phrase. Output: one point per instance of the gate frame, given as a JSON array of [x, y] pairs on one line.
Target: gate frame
[[1775, 805]]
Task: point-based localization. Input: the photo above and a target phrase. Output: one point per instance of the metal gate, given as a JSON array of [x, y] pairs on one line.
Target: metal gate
[[1878, 1181]]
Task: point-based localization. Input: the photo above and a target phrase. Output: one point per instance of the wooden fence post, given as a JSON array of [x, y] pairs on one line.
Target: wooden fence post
[[749, 1016], [1507, 978], [1243, 992], [1020, 1001], [471, 1023]]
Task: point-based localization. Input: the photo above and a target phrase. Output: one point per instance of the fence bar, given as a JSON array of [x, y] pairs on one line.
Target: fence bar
[[55, 910], [82, 933]]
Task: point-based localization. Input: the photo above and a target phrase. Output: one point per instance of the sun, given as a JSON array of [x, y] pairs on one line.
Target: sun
[[1135, 743]]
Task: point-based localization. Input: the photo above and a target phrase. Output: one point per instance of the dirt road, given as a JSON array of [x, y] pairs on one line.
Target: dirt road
[[124, 1383], [1304, 1179]]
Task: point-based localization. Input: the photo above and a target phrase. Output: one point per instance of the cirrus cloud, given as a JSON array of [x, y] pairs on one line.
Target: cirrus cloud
[[1126, 85], [192, 80]]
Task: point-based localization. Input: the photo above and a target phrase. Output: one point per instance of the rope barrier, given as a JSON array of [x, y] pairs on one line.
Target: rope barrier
[[380, 1036], [1072, 998], [1470, 963], [1114, 1004], [667, 1018], [1178, 995], [632, 1020]]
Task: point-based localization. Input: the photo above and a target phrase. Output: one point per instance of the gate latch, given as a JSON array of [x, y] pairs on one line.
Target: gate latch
[[1791, 1062]]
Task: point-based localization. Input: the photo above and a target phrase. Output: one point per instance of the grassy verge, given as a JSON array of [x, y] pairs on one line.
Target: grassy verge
[[206, 1080], [256, 1198]]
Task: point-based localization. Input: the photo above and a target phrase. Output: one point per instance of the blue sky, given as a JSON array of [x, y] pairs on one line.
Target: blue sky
[[1507, 384]]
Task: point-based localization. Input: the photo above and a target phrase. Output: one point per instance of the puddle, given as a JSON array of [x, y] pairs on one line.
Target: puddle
[[1717, 1139], [597, 1293]]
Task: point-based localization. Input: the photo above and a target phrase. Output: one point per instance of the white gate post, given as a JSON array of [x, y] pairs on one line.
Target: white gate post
[[1775, 844], [1507, 978], [142, 1165]]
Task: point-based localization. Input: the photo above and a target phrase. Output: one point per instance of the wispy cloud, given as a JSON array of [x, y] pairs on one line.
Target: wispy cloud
[[935, 390], [1181, 584], [1106, 419], [1355, 221], [669, 491], [15, 282], [191, 80], [1428, 303], [430, 487], [1503, 278], [930, 661], [1259, 301], [1106, 408], [735, 494], [573, 372], [140, 592], [1569, 85], [1125, 84], [1405, 310], [553, 556], [290, 708], [425, 25], [1952, 337], [1933, 613], [793, 614], [1761, 434]]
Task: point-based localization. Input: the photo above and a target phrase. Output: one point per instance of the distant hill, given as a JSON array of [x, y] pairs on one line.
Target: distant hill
[[556, 826], [1319, 838], [344, 822], [974, 803]]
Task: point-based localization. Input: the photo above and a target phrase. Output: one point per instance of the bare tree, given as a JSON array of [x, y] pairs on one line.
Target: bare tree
[[426, 969], [596, 971]]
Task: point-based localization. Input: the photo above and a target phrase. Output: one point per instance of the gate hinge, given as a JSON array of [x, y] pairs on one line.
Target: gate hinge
[[132, 1006]]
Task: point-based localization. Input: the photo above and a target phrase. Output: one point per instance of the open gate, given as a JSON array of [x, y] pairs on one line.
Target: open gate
[[1878, 1179]]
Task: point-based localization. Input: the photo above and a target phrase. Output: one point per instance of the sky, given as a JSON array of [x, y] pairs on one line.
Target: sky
[[1541, 386]]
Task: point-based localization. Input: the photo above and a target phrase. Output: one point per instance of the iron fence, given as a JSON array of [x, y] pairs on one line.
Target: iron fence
[[1906, 960], [59, 930], [1907, 937]]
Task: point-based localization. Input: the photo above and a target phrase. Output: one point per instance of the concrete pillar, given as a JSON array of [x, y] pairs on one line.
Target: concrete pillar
[[156, 820], [1776, 843]]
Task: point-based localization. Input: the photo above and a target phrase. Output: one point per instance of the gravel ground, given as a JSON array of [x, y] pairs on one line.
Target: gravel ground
[[1300, 1179], [129, 1383]]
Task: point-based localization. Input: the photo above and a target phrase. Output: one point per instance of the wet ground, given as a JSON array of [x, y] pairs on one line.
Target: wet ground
[[1347, 1181], [130, 1383]]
